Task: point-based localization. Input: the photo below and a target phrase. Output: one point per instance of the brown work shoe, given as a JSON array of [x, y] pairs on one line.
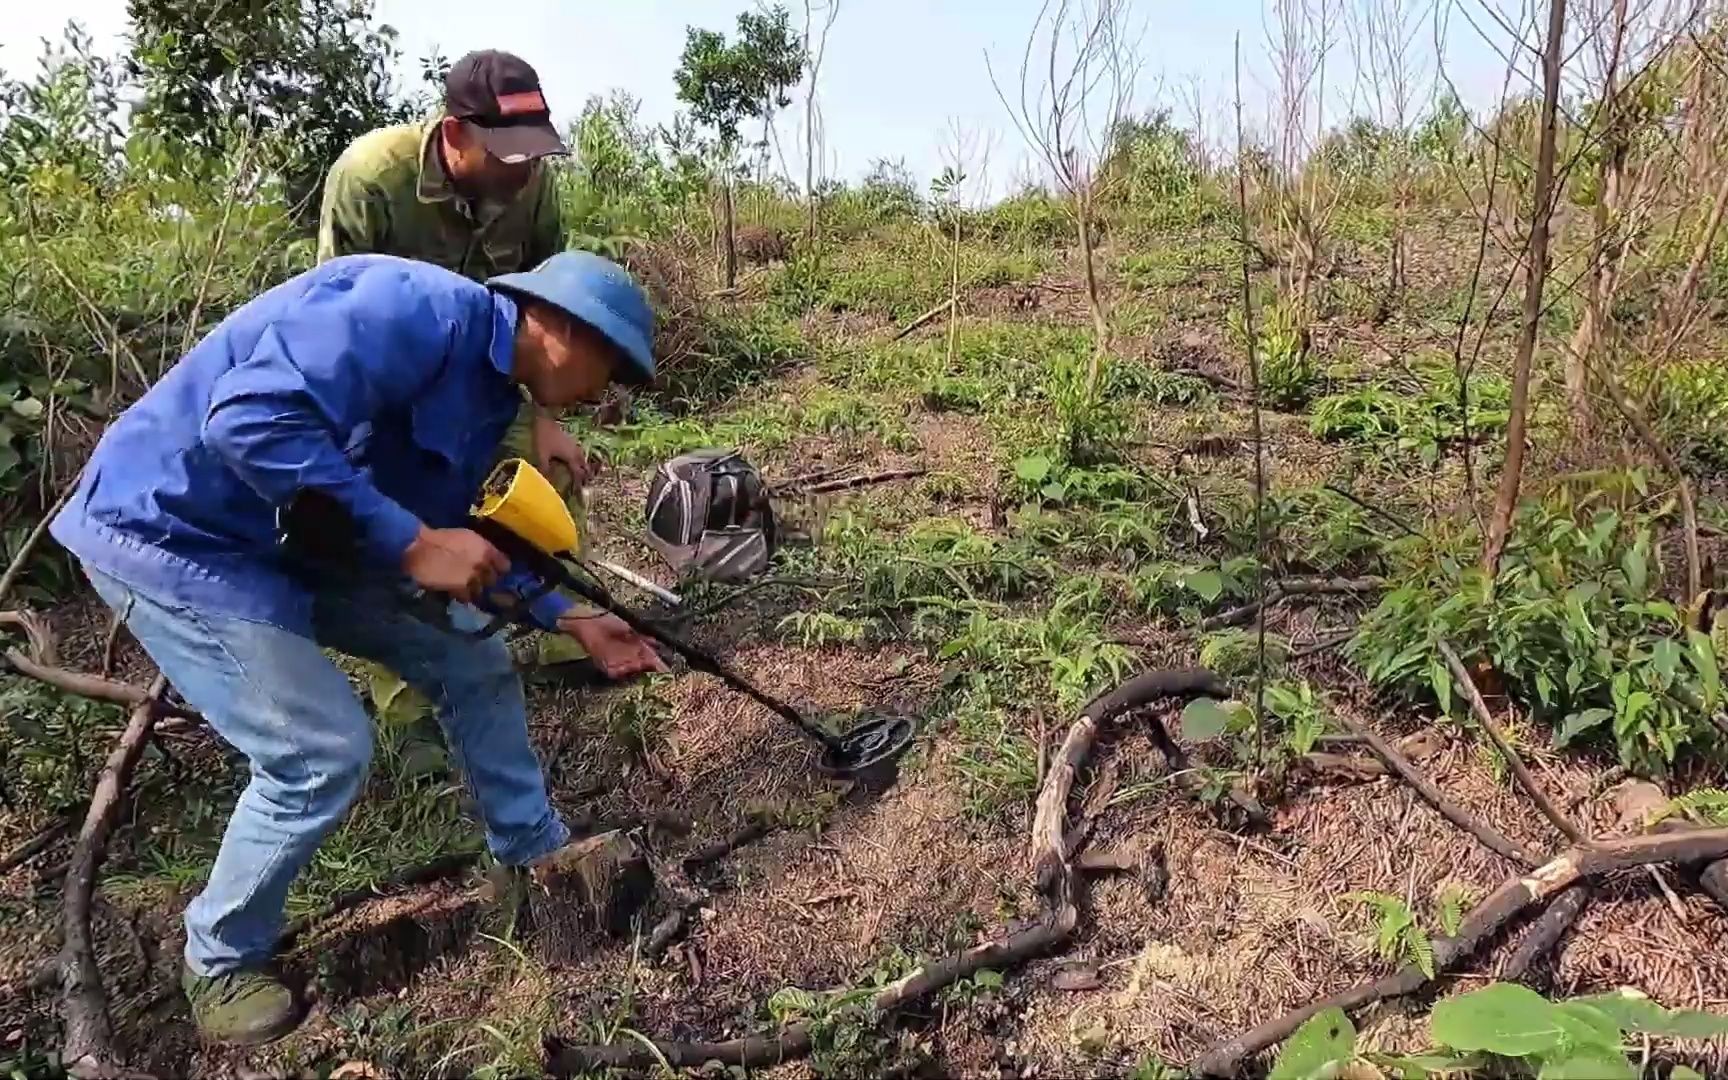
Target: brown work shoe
[[242, 1008]]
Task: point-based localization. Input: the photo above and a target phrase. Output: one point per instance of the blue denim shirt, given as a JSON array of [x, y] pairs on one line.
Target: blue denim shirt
[[382, 382]]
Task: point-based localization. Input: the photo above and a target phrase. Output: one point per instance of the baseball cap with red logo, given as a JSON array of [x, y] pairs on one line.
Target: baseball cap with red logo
[[499, 93]]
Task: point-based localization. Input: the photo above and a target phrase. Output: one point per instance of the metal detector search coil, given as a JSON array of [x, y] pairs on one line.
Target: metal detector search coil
[[870, 740]]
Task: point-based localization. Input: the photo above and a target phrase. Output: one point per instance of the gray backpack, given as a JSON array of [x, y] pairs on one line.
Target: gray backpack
[[709, 516]]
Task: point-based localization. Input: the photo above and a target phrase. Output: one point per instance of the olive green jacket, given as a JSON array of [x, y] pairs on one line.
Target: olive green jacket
[[388, 193]]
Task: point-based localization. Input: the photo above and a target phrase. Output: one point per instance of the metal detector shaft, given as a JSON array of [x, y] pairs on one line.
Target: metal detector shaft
[[696, 658]]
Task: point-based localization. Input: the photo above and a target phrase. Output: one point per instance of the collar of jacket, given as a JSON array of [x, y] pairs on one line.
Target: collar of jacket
[[434, 183], [502, 351]]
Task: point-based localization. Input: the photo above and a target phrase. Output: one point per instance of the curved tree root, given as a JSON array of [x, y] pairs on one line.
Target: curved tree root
[[89, 1046], [1582, 863], [1056, 885]]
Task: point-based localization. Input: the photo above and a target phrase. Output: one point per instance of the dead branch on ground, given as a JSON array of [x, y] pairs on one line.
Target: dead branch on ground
[[1526, 780], [934, 313], [439, 869], [1490, 837], [851, 482], [1285, 589], [1546, 932], [89, 1045], [45, 838], [1057, 887], [1585, 862]]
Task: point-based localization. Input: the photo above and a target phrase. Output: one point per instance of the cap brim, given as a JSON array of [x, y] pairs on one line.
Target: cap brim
[[522, 142]]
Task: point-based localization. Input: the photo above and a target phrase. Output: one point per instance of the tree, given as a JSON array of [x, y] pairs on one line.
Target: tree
[[1077, 79], [316, 72], [814, 51], [726, 84], [1535, 277]]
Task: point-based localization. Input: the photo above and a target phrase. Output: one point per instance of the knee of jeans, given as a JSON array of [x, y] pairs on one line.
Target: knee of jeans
[[490, 659], [350, 761]]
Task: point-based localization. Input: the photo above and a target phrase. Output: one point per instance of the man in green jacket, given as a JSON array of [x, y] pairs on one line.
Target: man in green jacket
[[468, 191]]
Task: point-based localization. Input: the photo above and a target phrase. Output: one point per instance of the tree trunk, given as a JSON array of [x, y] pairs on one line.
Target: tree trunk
[[729, 237], [1605, 245], [1094, 302], [1536, 276]]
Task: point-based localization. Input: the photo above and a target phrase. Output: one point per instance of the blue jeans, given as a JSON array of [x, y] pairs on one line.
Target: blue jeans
[[280, 701]]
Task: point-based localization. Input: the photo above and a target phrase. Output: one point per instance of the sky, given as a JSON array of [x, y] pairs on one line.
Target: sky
[[897, 78]]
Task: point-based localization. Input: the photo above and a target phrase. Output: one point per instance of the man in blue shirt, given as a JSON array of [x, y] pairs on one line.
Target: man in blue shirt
[[384, 385]]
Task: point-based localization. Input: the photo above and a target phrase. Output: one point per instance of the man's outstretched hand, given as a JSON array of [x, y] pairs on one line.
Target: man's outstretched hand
[[618, 651], [456, 562], [554, 446]]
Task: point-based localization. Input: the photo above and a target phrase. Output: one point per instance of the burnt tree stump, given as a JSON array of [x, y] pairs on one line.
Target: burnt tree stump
[[586, 890]]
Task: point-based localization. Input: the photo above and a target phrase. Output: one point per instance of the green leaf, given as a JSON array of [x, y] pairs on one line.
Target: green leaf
[[1589, 1063], [1451, 910], [1682, 1072], [1635, 564], [1440, 678], [1701, 652], [1054, 492], [1501, 1018], [1578, 723], [29, 408], [1421, 1066], [1587, 1025], [1635, 1012], [1207, 584], [384, 685], [1421, 950], [987, 979], [1318, 1049], [1204, 719], [790, 1003], [1545, 688], [1665, 658], [1033, 468]]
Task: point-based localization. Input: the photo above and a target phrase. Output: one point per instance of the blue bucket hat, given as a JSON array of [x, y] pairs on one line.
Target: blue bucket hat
[[600, 293]]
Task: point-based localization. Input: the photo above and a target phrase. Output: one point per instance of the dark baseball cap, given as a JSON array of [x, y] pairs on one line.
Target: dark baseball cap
[[499, 93]]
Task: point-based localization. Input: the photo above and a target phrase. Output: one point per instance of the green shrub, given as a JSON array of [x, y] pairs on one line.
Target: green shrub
[[1574, 625], [1288, 372]]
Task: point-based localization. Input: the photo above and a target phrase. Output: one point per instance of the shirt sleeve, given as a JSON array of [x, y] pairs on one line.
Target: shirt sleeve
[[354, 217], [350, 350], [548, 609]]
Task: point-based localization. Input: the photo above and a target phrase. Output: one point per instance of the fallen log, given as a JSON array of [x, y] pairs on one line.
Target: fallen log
[[1056, 878], [1585, 862], [89, 1045]]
